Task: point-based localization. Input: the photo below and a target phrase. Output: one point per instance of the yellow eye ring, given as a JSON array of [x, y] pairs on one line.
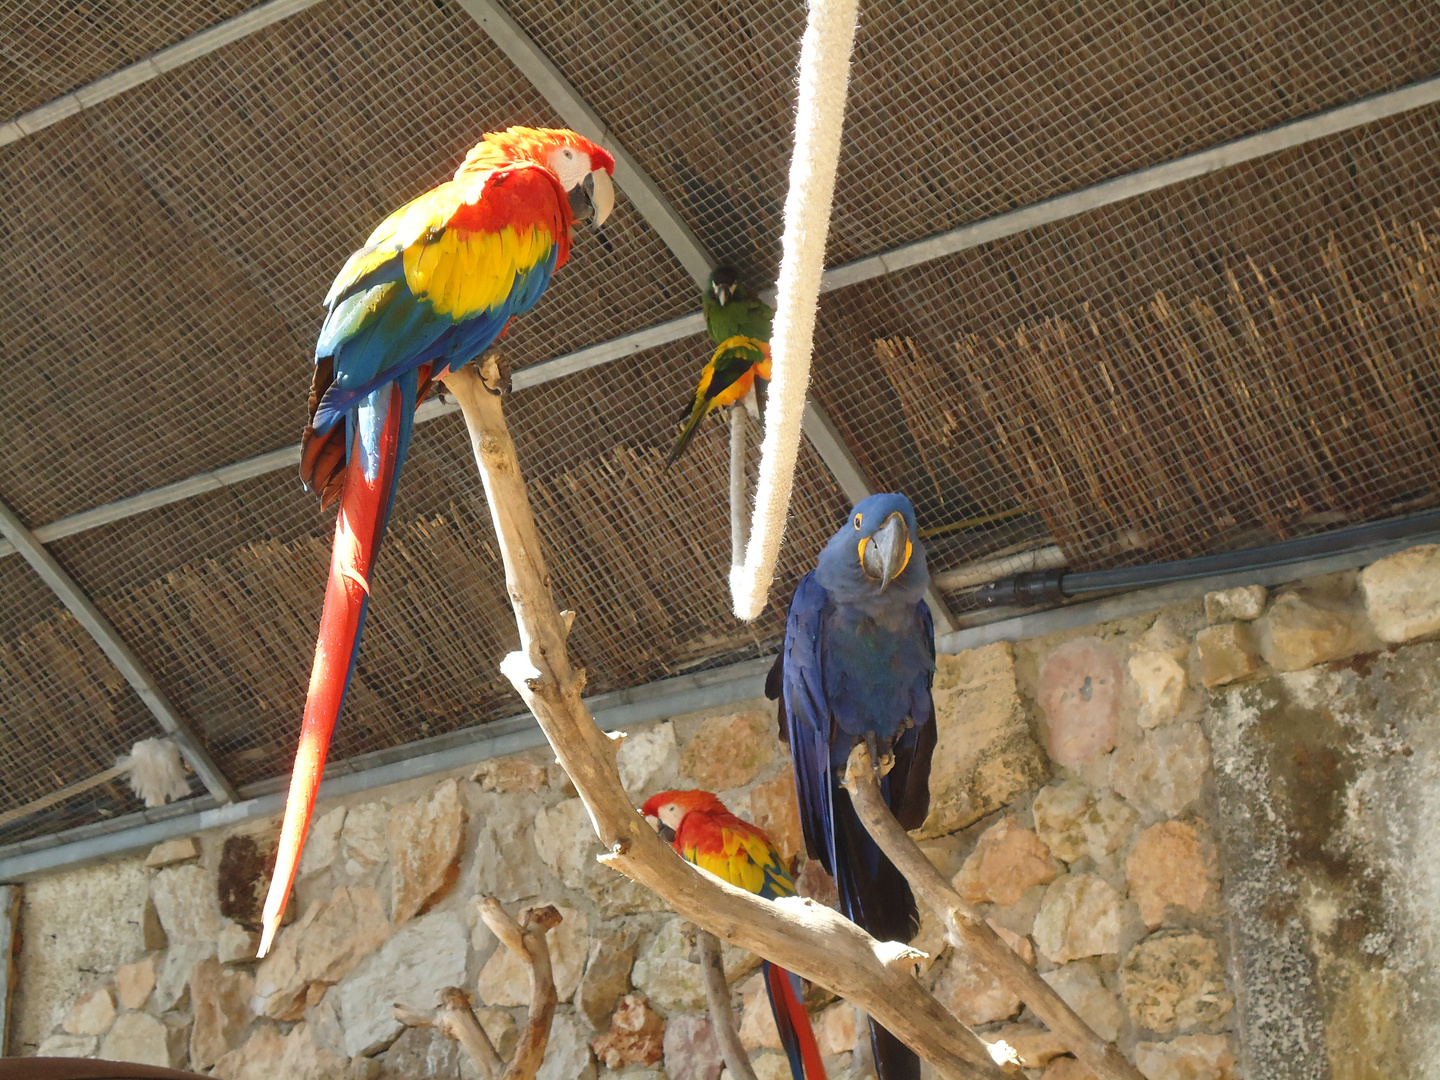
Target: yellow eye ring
[[857, 520]]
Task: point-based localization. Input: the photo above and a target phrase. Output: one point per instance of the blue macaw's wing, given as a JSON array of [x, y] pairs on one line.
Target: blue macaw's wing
[[798, 681], [908, 783]]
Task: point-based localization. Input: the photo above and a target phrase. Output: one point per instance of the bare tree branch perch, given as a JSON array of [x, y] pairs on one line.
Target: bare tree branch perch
[[526, 938], [455, 1017], [722, 1016], [811, 940], [968, 929]]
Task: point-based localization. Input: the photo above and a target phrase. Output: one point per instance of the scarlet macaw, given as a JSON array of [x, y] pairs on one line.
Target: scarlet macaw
[[739, 326], [437, 282], [705, 833], [857, 664]]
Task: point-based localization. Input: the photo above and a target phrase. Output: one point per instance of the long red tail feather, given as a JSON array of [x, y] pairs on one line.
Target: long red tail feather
[[357, 527], [782, 991]]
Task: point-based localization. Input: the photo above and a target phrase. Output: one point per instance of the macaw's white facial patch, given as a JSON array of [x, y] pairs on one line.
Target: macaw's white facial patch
[[570, 165]]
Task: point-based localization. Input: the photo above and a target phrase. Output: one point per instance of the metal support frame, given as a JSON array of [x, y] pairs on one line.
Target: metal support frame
[[1047, 212], [651, 203], [660, 700], [151, 67], [113, 646]]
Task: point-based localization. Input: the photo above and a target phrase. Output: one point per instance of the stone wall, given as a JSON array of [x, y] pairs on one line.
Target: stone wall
[[1270, 917]]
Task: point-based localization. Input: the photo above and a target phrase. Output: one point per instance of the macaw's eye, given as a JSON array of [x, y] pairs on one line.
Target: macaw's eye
[[568, 155], [857, 520]]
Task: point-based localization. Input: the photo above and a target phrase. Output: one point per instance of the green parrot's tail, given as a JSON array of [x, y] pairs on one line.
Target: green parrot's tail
[[687, 433]]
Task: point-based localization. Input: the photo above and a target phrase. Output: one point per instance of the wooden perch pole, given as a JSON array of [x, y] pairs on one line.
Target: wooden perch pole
[[808, 939], [722, 1016], [968, 929], [455, 1018]]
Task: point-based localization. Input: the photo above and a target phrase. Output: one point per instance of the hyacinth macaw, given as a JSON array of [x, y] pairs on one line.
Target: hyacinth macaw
[[437, 282], [698, 826], [739, 326], [857, 665]]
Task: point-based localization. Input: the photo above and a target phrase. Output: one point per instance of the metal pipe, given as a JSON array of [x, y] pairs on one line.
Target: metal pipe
[[1055, 586]]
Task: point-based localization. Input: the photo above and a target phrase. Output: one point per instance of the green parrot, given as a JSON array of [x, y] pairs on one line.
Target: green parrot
[[731, 311], [739, 325]]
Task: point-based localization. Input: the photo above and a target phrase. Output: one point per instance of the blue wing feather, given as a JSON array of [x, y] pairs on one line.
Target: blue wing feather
[[808, 717], [374, 343]]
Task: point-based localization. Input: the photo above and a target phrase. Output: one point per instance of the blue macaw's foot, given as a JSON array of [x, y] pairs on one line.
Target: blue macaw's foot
[[882, 761]]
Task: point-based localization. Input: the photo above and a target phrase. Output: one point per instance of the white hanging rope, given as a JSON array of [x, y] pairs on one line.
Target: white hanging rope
[[824, 79], [739, 505]]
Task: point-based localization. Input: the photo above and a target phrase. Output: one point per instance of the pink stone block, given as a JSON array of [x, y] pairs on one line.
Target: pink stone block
[[1080, 695]]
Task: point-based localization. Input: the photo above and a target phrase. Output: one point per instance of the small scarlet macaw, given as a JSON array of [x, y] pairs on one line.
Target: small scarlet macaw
[[739, 326], [437, 282], [857, 665], [698, 826]]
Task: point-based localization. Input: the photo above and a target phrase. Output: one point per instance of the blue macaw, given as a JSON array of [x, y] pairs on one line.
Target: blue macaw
[[857, 664]]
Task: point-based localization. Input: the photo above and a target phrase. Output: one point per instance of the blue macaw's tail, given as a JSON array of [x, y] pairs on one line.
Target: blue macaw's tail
[[876, 897], [378, 434], [873, 894], [797, 1037]]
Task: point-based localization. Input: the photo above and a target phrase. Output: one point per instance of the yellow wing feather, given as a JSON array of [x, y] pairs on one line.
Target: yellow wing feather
[[745, 861], [460, 273]]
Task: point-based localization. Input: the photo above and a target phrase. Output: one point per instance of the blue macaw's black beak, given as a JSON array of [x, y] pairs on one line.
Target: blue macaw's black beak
[[888, 550]]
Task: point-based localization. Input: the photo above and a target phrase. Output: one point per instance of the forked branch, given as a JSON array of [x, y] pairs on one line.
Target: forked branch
[[968, 929], [455, 1018], [808, 939]]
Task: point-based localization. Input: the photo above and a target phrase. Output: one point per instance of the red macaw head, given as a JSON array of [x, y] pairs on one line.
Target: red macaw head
[[583, 168], [666, 810]]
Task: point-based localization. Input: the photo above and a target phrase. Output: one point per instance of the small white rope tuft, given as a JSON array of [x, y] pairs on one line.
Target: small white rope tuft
[[824, 79]]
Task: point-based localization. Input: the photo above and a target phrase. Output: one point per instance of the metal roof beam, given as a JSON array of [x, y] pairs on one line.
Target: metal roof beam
[[151, 67], [624, 708], [1047, 212], [456, 750], [512, 40], [110, 642]]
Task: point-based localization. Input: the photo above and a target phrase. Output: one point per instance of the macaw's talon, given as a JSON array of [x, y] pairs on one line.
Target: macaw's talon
[[881, 761], [495, 372]]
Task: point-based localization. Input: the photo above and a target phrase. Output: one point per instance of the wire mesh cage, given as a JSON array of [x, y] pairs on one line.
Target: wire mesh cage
[[1234, 358]]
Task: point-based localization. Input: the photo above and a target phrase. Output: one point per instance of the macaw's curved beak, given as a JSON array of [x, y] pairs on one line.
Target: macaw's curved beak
[[888, 552], [592, 199], [723, 293]]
